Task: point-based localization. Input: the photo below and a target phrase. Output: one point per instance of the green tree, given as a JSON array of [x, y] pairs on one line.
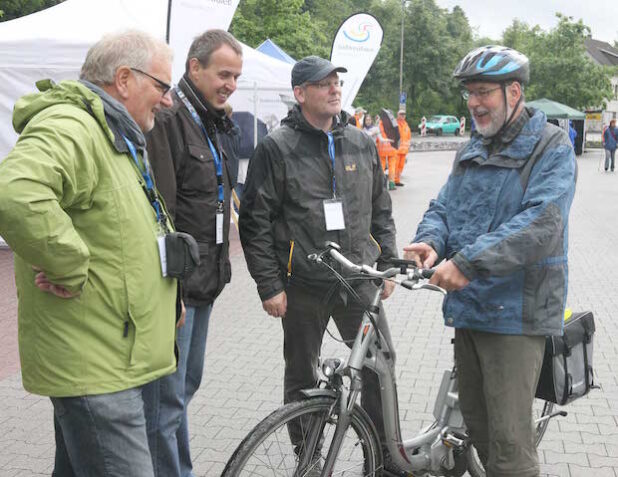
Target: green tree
[[329, 14], [559, 67], [12, 9], [284, 21], [434, 41]]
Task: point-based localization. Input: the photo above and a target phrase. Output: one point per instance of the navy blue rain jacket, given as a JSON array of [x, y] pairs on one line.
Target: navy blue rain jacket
[[503, 219]]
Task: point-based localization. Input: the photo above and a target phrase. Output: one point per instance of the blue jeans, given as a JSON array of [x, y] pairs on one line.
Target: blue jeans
[[610, 155], [101, 436], [167, 398]]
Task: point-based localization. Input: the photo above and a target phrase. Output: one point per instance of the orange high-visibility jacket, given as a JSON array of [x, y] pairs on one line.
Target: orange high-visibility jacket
[[384, 146], [405, 136]]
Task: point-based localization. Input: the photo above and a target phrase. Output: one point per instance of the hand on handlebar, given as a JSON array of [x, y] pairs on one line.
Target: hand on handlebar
[[277, 305], [423, 254], [448, 276], [389, 287]]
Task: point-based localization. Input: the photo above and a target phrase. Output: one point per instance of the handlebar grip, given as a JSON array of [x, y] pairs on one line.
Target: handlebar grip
[[407, 284], [427, 272]]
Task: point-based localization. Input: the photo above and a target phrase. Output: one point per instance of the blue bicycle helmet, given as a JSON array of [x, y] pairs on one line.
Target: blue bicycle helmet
[[493, 63]]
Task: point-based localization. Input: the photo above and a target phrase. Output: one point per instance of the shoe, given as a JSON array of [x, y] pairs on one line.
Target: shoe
[[399, 184], [391, 185]]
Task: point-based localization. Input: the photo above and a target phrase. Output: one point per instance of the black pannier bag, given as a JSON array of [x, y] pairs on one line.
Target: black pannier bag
[[567, 365]]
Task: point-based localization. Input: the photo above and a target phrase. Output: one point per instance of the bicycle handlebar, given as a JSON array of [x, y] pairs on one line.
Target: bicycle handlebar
[[405, 267]]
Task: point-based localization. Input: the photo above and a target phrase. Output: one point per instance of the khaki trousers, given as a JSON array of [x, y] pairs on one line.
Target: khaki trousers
[[498, 375]]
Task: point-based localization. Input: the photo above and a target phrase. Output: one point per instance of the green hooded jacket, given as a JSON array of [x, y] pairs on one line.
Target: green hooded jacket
[[73, 206]]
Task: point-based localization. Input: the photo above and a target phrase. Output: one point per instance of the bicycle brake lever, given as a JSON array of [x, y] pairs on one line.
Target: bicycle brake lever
[[429, 286]]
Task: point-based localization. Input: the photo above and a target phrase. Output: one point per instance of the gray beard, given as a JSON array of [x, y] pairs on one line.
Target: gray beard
[[497, 121]]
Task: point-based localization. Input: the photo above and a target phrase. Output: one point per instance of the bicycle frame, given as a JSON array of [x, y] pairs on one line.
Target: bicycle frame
[[434, 446]]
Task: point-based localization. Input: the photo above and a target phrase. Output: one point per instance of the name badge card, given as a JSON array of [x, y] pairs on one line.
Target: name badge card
[[333, 213], [162, 254], [219, 234]]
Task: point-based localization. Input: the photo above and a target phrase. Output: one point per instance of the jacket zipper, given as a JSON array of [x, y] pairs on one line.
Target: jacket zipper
[[290, 259]]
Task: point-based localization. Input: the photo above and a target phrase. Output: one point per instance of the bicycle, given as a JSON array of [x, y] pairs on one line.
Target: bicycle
[[338, 437]]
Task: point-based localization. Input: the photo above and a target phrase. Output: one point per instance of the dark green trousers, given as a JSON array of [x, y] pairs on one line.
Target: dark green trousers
[[498, 375]]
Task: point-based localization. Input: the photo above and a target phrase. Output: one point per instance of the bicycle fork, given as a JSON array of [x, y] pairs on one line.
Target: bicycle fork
[[346, 405]]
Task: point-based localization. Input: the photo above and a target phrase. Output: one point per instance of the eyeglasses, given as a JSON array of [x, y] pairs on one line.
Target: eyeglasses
[[327, 85], [162, 85], [480, 94]]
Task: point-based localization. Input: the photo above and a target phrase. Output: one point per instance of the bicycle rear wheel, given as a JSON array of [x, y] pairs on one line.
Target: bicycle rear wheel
[[540, 409], [267, 450]]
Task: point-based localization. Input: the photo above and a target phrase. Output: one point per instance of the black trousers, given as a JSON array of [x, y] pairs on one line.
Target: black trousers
[[308, 313]]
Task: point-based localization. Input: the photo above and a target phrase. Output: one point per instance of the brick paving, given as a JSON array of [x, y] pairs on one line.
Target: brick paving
[[242, 381]]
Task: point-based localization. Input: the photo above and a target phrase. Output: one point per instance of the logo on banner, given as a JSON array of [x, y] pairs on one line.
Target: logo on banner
[[359, 33]]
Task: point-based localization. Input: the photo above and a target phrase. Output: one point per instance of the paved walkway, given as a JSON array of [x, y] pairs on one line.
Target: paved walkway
[[244, 368]]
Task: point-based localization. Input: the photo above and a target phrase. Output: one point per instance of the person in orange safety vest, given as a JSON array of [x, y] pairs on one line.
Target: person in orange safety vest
[[359, 114], [388, 155], [405, 136]]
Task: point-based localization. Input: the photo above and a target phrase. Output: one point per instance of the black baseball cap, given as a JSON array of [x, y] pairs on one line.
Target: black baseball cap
[[313, 68]]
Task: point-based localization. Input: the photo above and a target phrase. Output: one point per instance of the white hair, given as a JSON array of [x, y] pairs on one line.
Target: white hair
[[130, 48]]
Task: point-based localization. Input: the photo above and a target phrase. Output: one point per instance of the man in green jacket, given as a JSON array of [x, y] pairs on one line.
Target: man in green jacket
[[78, 208]]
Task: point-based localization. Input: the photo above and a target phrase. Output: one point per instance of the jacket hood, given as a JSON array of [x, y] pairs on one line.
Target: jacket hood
[[52, 94], [296, 120]]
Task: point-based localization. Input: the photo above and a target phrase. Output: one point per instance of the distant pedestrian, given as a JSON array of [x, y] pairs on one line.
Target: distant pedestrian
[[572, 133], [610, 140], [405, 138], [370, 128], [359, 115]]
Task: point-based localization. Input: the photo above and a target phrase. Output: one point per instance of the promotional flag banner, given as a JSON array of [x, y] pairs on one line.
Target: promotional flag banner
[[188, 19], [355, 47]]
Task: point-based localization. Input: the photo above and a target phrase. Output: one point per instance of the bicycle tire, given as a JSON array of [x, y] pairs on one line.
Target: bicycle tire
[[542, 408], [268, 450]]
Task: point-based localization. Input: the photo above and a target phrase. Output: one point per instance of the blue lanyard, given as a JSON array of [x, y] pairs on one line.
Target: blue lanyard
[[213, 150], [331, 153], [147, 175]]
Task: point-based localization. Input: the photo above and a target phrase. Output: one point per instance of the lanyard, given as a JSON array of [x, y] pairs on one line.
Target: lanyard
[[213, 150], [331, 153], [147, 175]]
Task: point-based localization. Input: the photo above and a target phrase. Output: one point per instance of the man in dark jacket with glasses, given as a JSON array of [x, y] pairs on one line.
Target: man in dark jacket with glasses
[[315, 179]]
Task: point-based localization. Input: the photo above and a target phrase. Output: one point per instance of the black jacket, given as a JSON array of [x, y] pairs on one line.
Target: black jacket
[[185, 175], [282, 215]]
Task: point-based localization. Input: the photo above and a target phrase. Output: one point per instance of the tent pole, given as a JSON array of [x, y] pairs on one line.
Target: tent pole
[[169, 17], [255, 110]]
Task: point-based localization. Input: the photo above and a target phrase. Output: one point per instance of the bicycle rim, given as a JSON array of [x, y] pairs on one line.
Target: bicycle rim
[[268, 449]]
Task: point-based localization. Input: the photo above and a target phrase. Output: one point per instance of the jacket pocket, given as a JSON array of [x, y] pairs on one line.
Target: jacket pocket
[[544, 297], [199, 174]]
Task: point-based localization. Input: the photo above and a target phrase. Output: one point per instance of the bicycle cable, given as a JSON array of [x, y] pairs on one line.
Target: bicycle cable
[[352, 292]]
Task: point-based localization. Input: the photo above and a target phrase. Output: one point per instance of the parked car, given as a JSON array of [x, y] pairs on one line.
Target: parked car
[[442, 124]]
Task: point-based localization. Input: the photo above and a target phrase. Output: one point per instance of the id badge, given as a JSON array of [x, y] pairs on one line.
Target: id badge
[[219, 221], [162, 254], [333, 213]]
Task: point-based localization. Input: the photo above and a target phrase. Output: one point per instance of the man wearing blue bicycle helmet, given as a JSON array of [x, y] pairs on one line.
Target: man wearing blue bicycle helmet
[[498, 229]]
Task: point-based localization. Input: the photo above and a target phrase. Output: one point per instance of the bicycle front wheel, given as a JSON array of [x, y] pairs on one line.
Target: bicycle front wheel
[[268, 449]]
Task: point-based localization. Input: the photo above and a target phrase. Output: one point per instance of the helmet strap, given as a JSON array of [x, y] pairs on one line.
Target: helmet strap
[[507, 120]]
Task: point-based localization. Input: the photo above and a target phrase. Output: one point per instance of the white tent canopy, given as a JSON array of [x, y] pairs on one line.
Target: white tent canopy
[[53, 43]]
